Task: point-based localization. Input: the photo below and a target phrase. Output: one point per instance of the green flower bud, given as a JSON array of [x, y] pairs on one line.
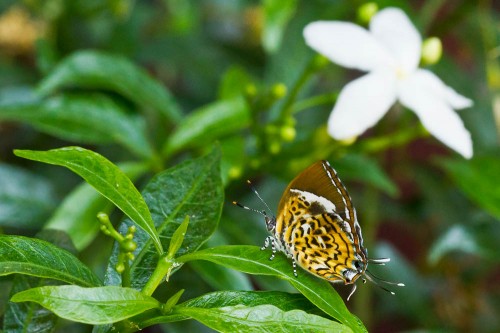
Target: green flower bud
[[288, 133], [234, 172], [128, 245], [274, 147], [366, 12], [320, 62], [251, 91], [279, 91], [432, 50], [120, 268], [349, 141]]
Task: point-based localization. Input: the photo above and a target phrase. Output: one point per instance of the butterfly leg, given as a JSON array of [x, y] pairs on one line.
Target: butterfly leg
[[294, 264], [270, 241]]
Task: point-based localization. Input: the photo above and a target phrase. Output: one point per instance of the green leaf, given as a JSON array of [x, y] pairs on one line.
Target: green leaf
[[105, 177], [220, 277], [31, 317], [178, 238], [85, 118], [100, 305], [475, 178], [98, 70], [277, 13], [27, 317], [478, 239], [262, 318], [234, 83], [76, 215], [205, 125], [26, 199], [214, 301], [191, 188], [35, 257], [250, 259], [284, 301], [364, 169], [217, 276], [172, 301]]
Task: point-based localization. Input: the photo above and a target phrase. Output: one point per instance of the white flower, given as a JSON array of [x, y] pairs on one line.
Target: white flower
[[390, 53]]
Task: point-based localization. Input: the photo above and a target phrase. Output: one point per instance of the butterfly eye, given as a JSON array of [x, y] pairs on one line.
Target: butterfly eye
[[358, 265], [270, 223]]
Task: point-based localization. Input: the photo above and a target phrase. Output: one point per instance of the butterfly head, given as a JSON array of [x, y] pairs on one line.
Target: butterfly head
[[270, 222]]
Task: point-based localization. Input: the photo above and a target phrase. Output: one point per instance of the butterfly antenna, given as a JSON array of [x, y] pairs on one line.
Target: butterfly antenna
[[375, 282], [380, 261], [378, 282], [258, 195], [248, 208]]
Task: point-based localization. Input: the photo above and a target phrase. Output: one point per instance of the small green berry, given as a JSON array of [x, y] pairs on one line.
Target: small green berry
[[432, 50]]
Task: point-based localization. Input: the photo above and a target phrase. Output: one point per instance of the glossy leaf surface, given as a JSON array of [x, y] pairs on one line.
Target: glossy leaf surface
[[106, 178]]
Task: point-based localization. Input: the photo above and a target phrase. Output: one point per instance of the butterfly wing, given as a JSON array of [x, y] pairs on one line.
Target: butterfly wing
[[318, 223]]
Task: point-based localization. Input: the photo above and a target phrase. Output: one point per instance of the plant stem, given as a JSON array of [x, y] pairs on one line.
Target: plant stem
[[399, 138], [324, 99], [287, 109], [161, 271], [126, 282]]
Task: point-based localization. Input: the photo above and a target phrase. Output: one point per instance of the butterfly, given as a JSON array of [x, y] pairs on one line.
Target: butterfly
[[317, 227]]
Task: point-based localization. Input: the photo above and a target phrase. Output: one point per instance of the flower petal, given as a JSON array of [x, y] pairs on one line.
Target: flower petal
[[361, 104], [418, 93], [435, 86], [347, 44], [393, 29]]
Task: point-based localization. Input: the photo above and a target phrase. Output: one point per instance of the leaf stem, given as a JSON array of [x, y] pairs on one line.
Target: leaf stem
[[399, 138], [161, 272], [126, 282], [314, 65], [324, 99]]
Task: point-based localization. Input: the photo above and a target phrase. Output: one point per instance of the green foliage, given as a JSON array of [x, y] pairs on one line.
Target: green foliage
[[261, 318], [252, 260], [29, 317], [166, 108], [34, 257], [475, 179], [83, 118], [91, 69], [171, 196], [99, 305], [209, 123], [76, 215], [25, 198], [106, 178]]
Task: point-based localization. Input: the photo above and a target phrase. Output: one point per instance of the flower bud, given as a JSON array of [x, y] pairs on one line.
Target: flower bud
[[432, 50], [251, 90], [349, 141], [320, 61], [234, 172], [279, 91], [128, 245], [288, 133], [120, 268], [274, 147], [366, 12]]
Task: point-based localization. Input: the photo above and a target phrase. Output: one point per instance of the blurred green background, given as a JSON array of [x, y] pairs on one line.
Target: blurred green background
[[433, 213]]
